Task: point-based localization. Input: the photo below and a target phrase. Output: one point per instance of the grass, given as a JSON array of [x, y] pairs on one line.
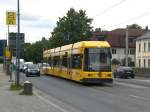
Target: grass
[[24, 93], [16, 87]]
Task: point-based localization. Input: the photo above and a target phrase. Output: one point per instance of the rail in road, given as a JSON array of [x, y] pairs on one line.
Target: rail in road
[[126, 95]]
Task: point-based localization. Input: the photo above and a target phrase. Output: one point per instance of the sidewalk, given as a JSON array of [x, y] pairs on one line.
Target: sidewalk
[[11, 101]]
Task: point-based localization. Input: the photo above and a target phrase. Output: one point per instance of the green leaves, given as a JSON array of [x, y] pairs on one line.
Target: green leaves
[[73, 27], [34, 52], [135, 26]]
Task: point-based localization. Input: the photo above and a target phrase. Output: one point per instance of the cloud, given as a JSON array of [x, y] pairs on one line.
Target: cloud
[[6, 1], [34, 21], [29, 17], [39, 23]]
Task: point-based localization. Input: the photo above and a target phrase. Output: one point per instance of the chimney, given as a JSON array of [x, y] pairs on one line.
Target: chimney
[[146, 28], [98, 30]]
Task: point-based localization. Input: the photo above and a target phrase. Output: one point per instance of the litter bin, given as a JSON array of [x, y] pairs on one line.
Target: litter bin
[[27, 88]]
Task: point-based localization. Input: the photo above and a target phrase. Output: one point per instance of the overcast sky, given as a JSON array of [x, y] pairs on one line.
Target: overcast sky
[[38, 17]]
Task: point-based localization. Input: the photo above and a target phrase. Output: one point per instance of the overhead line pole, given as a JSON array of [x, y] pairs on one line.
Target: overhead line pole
[[127, 34], [17, 44]]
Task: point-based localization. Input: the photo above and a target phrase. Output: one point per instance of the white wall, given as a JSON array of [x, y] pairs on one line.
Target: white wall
[[142, 54], [120, 54]]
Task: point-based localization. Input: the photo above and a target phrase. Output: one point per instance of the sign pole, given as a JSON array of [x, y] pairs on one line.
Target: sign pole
[[10, 20], [8, 37]]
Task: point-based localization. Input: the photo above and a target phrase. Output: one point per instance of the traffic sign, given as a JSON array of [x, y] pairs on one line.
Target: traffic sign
[[7, 53], [11, 18]]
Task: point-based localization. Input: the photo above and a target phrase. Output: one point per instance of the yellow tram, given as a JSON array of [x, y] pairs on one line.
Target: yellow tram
[[85, 62]]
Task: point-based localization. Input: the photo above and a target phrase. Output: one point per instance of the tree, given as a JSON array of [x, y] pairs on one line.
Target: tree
[[115, 62], [135, 26], [129, 61], [34, 52], [73, 27], [1, 60]]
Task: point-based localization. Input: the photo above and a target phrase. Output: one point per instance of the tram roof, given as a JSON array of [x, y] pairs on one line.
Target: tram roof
[[91, 44], [81, 44]]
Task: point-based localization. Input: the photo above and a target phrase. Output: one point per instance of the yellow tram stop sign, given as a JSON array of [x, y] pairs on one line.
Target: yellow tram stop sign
[[11, 18], [7, 53]]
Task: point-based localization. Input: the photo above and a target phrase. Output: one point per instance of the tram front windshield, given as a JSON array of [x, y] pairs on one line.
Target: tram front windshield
[[97, 59]]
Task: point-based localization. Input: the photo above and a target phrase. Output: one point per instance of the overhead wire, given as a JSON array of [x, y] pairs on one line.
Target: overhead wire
[[117, 4], [132, 19], [109, 8]]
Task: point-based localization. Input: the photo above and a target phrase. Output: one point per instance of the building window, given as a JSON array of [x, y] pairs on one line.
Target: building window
[[56, 61], [149, 46], [64, 61], [125, 51], [144, 47], [132, 51], [148, 63], [139, 63], [144, 61], [131, 40], [113, 51], [139, 47]]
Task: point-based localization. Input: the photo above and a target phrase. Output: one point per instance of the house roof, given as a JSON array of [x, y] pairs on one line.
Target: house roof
[[145, 36], [116, 37]]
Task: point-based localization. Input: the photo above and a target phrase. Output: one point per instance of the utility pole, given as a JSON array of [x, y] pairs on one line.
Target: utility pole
[[127, 34], [17, 45]]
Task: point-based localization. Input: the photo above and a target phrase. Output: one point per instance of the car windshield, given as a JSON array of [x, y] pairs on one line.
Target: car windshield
[[33, 66], [125, 68], [97, 59], [45, 64]]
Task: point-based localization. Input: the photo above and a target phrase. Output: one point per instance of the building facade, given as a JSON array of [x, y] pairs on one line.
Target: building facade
[[3, 44], [12, 43], [116, 38], [143, 51]]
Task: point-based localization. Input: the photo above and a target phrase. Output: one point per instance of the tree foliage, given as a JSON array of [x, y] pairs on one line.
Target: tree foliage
[[73, 27], [115, 61], [135, 26], [129, 61], [34, 52]]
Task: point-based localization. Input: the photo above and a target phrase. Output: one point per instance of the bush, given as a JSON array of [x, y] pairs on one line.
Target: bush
[[1, 60], [115, 62], [16, 87]]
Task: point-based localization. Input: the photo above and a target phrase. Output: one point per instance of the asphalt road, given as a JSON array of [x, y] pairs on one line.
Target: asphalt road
[[126, 95]]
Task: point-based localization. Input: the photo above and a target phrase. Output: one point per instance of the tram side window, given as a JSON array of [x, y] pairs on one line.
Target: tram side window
[[50, 61], [64, 61], [44, 60], [56, 61], [77, 61]]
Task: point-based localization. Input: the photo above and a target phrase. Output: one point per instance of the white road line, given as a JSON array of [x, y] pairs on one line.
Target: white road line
[[51, 103], [142, 80], [140, 98], [130, 85]]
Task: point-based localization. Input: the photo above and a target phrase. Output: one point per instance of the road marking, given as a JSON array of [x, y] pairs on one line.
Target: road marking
[[130, 85], [142, 80], [51, 103], [140, 98]]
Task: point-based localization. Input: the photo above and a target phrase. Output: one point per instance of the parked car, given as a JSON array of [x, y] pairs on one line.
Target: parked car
[[124, 72], [32, 70], [25, 66]]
